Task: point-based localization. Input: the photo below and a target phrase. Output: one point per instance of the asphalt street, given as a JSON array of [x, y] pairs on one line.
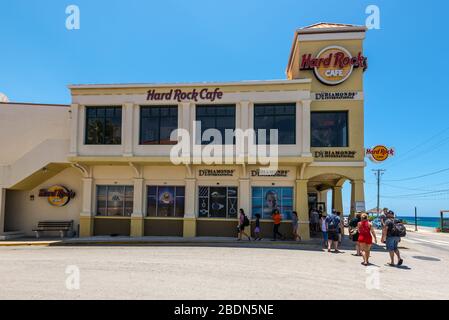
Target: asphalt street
[[233, 271]]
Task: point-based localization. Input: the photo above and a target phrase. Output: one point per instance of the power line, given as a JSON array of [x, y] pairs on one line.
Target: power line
[[421, 176]]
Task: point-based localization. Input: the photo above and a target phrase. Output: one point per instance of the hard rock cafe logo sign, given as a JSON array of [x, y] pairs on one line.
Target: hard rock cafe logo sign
[[57, 196], [333, 65], [379, 153]]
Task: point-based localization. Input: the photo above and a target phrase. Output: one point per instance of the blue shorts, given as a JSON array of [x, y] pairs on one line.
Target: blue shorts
[[325, 236], [392, 243]]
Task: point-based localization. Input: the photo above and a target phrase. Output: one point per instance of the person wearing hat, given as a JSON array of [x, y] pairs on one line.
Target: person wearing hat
[[391, 240]]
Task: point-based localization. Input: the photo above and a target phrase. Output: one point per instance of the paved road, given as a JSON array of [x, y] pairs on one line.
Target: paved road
[[235, 271]]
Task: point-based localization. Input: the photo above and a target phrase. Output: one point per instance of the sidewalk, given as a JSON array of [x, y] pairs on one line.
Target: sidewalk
[[159, 241]]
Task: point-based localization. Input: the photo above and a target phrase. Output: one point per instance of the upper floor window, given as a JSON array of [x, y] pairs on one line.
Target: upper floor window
[[103, 125], [276, 116], [329, 129], [220, 117], [157, 124]]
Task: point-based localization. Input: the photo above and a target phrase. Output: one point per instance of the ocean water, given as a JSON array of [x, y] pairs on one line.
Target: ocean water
[[433, 222]]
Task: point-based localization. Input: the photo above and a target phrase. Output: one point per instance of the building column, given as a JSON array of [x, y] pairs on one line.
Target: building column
[[244, 201], [323, 198], [127, 119], [74, 115], [87, 214], [305, 128], [137, 218], [2, 210], [189, 212], [357, 195], [302, 208], [337, 199]]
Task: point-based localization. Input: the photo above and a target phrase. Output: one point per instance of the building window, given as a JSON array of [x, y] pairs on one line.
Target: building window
[[329, 129], [157, 124], [220, 117], [218, 202], [266, 199], [103, 125], [165, 201], [276, 116], [115, 200]]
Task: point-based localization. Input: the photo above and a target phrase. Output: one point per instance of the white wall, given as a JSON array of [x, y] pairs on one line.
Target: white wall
[[24, 126]]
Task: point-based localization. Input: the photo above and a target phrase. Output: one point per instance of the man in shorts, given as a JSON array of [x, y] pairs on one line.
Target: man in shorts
[[332, 224], [391, 241]]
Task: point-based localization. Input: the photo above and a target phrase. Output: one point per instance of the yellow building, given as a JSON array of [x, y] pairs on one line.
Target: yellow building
[[105, 160]]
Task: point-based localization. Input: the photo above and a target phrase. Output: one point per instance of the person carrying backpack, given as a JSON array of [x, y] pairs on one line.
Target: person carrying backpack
[[332, 224], [392, 232], [243, 223]]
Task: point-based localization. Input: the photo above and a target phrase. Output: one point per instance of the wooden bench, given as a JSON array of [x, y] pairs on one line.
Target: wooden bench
[[61, 226]]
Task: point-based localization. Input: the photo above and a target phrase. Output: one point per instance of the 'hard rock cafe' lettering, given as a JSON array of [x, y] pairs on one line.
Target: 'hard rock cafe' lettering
[[180, 95]]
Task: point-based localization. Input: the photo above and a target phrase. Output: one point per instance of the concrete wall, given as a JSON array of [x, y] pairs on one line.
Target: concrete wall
[[24, 126], [22, 214]]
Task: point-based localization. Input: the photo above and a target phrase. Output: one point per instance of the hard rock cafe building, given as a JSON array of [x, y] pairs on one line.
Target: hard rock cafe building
[[104, 160]]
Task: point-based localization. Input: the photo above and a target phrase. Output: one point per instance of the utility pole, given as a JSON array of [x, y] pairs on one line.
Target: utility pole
[[416, 219], [378, 173]]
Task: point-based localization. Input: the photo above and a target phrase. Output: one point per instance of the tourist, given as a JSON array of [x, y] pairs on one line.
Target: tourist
[[354, 232], [315, 217], [365, 238], [243, 222], [276, 224], [332, 226], [341, 227], [391, 238], [296, 236], [383, 216], [257, 236], [324, 230]]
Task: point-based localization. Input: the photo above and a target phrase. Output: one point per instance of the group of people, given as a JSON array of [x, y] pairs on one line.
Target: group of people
[[362, 232], [276, 217]]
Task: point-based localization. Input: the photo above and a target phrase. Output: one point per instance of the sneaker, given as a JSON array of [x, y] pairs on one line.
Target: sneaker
[[400, 262]]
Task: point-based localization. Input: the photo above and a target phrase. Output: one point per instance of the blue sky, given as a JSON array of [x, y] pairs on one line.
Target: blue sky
[[178, 41]]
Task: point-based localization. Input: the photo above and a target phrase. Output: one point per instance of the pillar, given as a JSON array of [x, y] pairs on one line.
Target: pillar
[[357, 195], [189, 229], [74, 115], [2, 210], [304, 134], [137, 218], [337, 199], [87, 215], [244, 201], [127, 119], [302, 207]]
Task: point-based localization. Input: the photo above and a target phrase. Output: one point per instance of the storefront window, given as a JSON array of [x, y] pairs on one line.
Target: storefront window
[[218, 202], [276, 116], [103, 125], [329, 129], [165, 201], [157, 124], [115, 200], [266, 199], [220, 117]]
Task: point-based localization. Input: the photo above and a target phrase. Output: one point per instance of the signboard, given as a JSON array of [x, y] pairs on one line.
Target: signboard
[[57, 196], [335, 154], [269, 173], [180, 95], [216, 172], [359, 206], [333, 65], [379, 153], [345, 95]]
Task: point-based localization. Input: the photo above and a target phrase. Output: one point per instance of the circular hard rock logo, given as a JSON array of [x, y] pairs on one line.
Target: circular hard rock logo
[[333, 65], [337, 72], [379, 153], [57, 196]]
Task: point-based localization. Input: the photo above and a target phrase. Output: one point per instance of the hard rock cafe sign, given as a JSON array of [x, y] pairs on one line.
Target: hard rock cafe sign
[[57, 196], [333, 65], [379, 153]]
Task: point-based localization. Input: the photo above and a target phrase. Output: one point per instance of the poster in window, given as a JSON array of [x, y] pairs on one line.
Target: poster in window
[[217, 202], [166, 201]]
